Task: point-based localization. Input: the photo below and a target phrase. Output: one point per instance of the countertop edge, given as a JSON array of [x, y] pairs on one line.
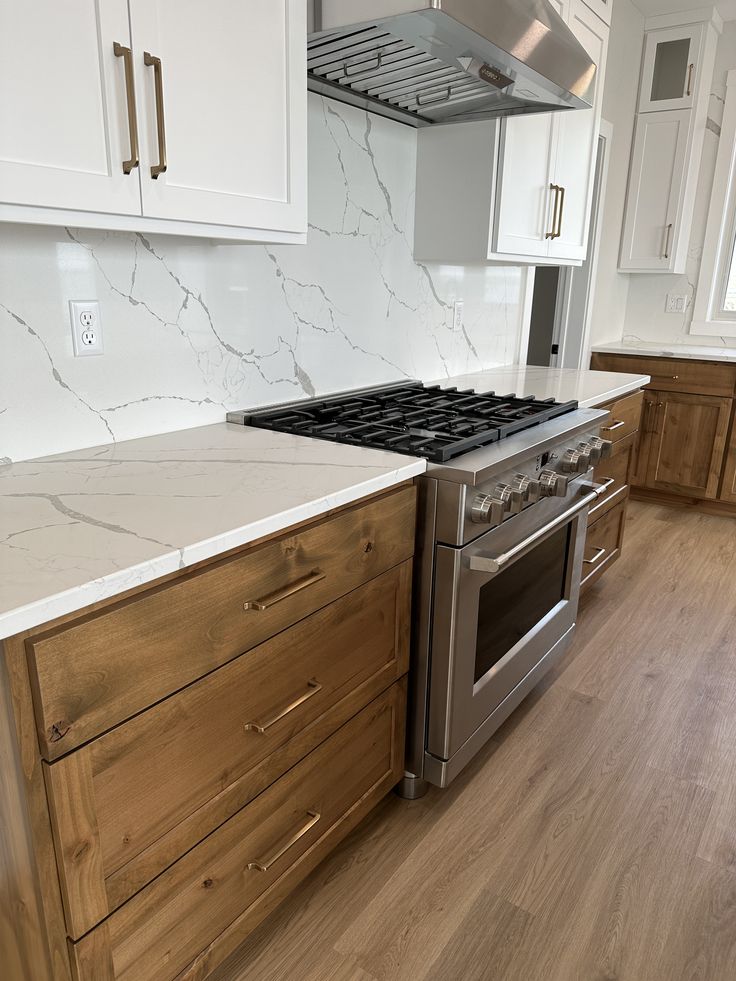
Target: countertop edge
[[670, 351], [627, 388], [76, 599]]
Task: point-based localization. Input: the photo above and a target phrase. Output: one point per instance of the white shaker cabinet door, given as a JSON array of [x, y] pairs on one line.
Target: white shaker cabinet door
[[656, 186], [223, 110], [577, 144], [64, 108]]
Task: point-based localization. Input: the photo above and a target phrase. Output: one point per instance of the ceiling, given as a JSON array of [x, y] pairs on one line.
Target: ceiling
[[726, 8]]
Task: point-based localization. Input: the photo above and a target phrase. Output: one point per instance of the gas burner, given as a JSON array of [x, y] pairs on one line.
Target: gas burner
[[430, 421]]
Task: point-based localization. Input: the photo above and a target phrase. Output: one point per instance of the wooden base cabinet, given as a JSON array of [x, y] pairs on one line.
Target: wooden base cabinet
[[152, 817], [606, 521], [687, 447]]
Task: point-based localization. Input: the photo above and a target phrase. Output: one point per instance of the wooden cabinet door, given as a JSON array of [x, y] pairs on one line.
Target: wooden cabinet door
[[687, 437], [577, 143], [229, 99], [64, 125], [652, 218], [728, 488]]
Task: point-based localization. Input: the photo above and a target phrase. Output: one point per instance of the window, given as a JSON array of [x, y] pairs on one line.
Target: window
[[715, 302]]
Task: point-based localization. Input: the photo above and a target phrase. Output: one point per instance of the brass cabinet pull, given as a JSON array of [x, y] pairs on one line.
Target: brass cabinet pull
[[556, 188], [126, 54], [667, 241], [562, 213], [673, 378], [599, 553], [282, 847], [616, 425], [313, 688], [151, 61], [691, 69], [315, 576]]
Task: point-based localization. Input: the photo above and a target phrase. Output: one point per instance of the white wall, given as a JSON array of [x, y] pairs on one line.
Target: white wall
[[192, 329], [619, 107], [646, 319]]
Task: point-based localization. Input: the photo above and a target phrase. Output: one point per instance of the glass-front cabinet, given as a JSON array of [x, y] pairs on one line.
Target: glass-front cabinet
[[672, 60]]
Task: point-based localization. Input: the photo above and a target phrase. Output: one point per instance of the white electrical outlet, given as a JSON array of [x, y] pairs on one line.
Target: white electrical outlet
[[86, 327], [677, 302], [457, 314]]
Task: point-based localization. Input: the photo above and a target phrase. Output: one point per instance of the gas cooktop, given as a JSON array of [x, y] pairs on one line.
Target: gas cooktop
[[430, 421]]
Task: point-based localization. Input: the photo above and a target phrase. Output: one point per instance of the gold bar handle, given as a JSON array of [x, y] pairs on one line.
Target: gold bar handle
[[282, 847], [315, 576], [126, 54], [667, 241], [562, 213], [616, 425], [313, 689], [151, 61], [599, 553], [690, 70], [556, 189]]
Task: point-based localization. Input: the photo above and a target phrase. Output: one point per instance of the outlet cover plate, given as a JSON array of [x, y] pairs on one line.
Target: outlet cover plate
[[86, 328]]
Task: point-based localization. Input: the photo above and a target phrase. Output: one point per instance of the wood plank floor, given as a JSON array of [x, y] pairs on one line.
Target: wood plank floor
[[593, 840]]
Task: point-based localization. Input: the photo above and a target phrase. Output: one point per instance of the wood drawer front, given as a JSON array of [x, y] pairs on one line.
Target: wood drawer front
[[671, 375], [215, 893], [603, 543], [130, 803], [614, 473], [106, 667], [625, 417]]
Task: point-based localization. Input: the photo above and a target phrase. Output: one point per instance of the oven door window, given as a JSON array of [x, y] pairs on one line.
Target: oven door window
[[519, 598]]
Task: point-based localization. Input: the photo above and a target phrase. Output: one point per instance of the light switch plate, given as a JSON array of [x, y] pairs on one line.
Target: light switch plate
[[677, 303], [86, 328]]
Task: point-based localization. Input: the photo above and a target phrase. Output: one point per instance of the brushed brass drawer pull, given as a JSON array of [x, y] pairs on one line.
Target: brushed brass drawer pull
[[151, 61], [126, 54], [315, 576], [599, 553], [667, 241], [556, 188], [673, 378], [313, 689], [616, 425], [558, 233], [282, 847]]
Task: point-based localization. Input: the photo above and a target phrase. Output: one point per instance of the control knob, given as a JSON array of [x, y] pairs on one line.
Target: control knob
[[574, 461], [603, 447], [552, 484], [492, 508], [521, 487]]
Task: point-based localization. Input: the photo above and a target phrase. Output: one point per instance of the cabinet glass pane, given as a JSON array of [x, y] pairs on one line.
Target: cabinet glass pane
[[670, 69]]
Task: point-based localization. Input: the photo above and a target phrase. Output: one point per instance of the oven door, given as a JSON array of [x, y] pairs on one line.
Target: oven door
[[501, 605]]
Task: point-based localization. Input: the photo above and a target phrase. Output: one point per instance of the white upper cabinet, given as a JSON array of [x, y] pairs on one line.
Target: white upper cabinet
[[221, 95], [671, 67], [603, 8], [656, 188], [64, 130], [160, 115], [577, 145], [522, 191]]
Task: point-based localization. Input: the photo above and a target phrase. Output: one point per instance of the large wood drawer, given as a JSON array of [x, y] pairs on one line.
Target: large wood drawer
[[128, 804], [222, 888], [613, 472], [104, 668], [603, 543], [672, 375], [625, 417]]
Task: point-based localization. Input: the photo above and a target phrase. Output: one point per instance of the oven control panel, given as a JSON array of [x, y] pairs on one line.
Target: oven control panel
[[548, 475]]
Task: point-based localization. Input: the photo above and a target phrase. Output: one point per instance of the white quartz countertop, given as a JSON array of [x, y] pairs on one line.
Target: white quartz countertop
[[691, 352], [588, 388], [84, 526]]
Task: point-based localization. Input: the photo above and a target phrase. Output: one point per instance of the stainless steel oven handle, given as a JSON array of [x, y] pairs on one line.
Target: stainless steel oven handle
[[483, 563]]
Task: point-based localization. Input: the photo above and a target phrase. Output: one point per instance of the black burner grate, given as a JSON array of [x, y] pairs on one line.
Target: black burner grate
[[434, 422]]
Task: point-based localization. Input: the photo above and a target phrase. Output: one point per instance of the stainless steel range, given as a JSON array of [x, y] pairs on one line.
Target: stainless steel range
[[500, 538]]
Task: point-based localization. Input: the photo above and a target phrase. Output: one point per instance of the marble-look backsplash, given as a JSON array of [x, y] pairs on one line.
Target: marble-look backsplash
[[193, 328]]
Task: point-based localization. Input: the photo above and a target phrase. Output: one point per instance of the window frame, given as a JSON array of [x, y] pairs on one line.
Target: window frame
[[709, 317]]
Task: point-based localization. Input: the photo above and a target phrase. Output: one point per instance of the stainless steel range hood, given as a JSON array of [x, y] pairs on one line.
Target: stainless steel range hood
[[443, 61]]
